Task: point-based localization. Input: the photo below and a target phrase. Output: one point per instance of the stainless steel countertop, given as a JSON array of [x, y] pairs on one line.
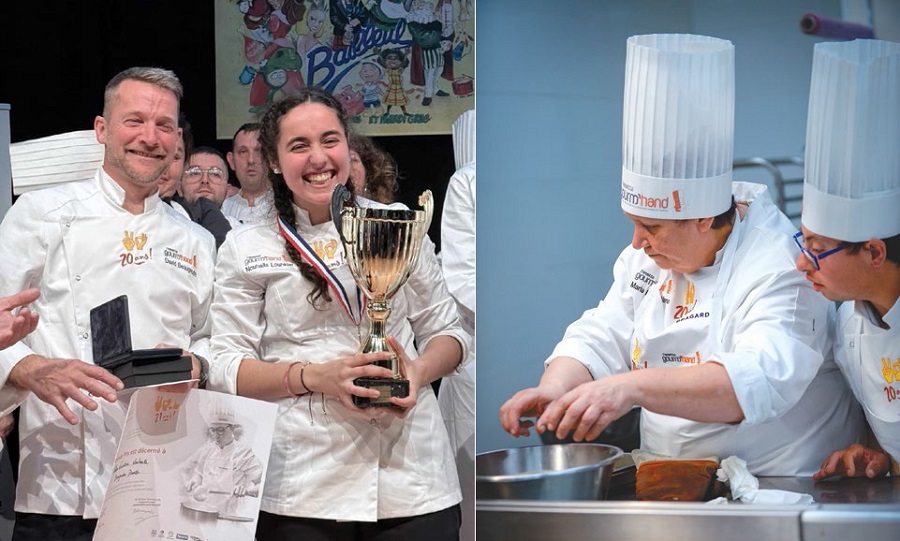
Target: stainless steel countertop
[[844, 509]]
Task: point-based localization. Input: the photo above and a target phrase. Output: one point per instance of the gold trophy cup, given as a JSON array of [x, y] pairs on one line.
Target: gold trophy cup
[[382, 248]]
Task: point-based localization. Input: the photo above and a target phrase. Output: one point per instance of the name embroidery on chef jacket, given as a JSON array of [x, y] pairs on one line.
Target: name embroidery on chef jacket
[[184, 262], [643, 281], [683, 359], [891, 374], [257, 262], [134, 253]]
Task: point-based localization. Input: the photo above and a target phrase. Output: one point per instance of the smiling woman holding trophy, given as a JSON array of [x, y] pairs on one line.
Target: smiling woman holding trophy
[[289, 324]]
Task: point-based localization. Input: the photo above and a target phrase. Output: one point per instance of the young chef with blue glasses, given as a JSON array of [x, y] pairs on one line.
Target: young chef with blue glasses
[[850, 233]]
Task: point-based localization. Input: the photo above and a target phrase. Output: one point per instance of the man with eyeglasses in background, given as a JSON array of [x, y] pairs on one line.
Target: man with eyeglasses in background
[[850, 234], [203, 187]]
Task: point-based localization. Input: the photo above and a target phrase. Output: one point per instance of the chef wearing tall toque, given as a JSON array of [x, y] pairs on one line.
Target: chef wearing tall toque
[[457, 392], [850, 233], [708, 327]]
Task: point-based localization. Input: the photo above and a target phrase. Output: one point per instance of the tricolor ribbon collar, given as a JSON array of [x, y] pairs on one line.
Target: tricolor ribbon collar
[[309, 255]]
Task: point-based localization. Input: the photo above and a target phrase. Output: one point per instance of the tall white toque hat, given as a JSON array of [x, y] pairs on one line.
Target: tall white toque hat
[[678, 126], [464, 138], [57, 159], [851, 190]]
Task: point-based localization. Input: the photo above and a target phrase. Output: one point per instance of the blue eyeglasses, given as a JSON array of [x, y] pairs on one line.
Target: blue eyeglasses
[[798, 238]]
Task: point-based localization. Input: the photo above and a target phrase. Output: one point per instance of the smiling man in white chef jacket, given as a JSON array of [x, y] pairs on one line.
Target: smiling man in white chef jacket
[[82, 244], [850, 233], [708, 327]]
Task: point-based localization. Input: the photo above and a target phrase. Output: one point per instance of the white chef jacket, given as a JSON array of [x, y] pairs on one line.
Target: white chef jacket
[[869, 356], [328, 462], [78, 245], [457, 391], [238, 211], [751, 312]]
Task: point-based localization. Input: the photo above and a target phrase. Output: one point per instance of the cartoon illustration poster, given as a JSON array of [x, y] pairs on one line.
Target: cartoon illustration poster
[[189, 466], [400, 67]]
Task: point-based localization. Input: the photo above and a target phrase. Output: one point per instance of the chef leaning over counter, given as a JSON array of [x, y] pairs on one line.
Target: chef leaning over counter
[[708, 326], [850, 233]]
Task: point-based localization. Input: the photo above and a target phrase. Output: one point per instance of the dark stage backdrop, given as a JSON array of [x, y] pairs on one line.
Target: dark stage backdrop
[[56, 57]]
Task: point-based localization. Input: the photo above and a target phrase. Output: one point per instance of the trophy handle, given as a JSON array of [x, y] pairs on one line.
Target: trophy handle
[[426, 201], [339, 196]]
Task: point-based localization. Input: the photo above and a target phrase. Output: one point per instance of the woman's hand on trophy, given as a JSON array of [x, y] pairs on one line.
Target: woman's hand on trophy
[[409, 371], [336, 377]]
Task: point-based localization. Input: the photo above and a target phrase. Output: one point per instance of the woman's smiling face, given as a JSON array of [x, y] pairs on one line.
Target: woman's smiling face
[[313, 156]]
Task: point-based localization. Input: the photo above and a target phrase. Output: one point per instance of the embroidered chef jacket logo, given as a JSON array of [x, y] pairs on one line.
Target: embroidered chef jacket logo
[[134, 253], [891, 374], [329, 253], [689, 302], [636, 362], [643, 281], [665, 292], [256, 262], [683, 359], [684, 310], [187, 263]]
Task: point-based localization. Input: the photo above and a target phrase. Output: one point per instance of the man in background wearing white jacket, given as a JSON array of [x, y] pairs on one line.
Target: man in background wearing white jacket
[[255, 201], [82, 244], [707, 327]]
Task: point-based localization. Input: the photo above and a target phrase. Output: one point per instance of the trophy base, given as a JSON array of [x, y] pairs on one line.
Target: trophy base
[[387, 387]]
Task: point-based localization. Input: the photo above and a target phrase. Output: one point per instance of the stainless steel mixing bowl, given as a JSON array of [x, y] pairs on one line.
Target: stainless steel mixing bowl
[[570, 471]]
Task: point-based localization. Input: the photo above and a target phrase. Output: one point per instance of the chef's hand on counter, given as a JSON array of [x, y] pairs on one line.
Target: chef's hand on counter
[[561, 375], [527, 403], [585, 406], [587, 409], [855, 461], [56, 380]]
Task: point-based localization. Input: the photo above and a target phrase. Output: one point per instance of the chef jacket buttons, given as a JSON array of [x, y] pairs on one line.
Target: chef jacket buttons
[[85, 336], [373, 422], [77, 277]]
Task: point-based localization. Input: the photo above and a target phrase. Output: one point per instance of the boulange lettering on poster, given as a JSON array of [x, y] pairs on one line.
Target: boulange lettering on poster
[[189, 466]]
